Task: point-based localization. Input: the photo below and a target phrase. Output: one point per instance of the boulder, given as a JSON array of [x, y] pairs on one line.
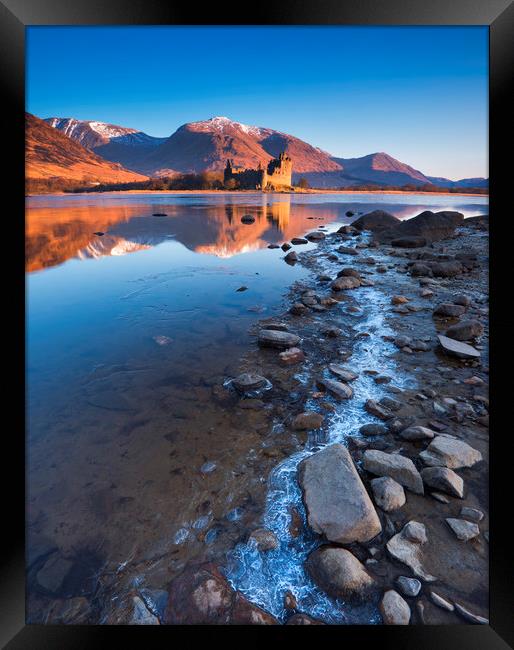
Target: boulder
[[389, 495], [346, 250], [349, 273], [376, 409], [409, 242], [276, 339], [339, 573], [447, 269], [291, 356], [342, 373], [335, 499], [336, 388], [307, 421], [399, 468], [408, 586], [409, 552], [399, 300], [375, 221], [457, 348], [394, 609], [465, 330], [345, 282], [247, 219], [443, 479], [249, 381], [315, 236], [298, 241], [473, 514], [373, 430], [464, 530], [447, 310], [444, 451], [291, 257], [264, 539], [461, 299], [417, 433]]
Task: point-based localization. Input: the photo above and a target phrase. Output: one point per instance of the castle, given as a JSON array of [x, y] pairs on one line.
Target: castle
[[277, 175]]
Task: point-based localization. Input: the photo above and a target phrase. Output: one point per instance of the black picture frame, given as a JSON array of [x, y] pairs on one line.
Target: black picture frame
[[15, 15]]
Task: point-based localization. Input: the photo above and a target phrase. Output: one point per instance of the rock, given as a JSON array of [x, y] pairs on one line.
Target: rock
[[291, 356], [307, 421], [433, 226], [468, 616], [450, 452], [443, 479], [285, 246], [402, 341], [382, 379], [461, 299], [419, 346], [290, 601], [70, 611], [390, 403], [315, 236], [99, 233], [373, 430], [408, 586], [417, 433], [298, 309], [345, 282], [465, 330], [141, 614], [389, 495], [291, 257], [441, 602], [53, 573], [442, 498], [336, 388], [464, 530], [302, 619], [272, 246], [415, 532], [394, 609], [247, 219], [155, 600], [418, 269], [335, 499], [349, 273], [264, 539], [446, 269], [249, 381], [332, 332], [399, 300], [298, 241], [471, 513], [408, 552], [447, 310], [275, 339], [457, 348], [399, 468], [377, 410], [339, 573], [375, 221], [409, 242], [343, 373], [346, 250], [426, 293]]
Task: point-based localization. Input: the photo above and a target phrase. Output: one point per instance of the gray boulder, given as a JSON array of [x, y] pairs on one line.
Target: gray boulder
[[457, 348], [417, 433], [444, 451], [276, 339], [339, 573], [465, 330], [443, 479], [335, 498], [389, 495], [336, 388], [402, 548], [447, 310], [463, 530], [408, 586], [394, 609], [399, 468]]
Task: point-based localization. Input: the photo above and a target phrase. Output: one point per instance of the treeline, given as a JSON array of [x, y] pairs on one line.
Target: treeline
[[52, 185], [204, 181], [411, 187]]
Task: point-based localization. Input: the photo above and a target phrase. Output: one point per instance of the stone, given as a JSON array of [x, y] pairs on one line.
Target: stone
[[402, 341], [332, 332], [290, 601], [408, 586], [247, 219], [441, 602], [444, 451], [298, 241], [461, 299], [264, 539], [415, 532], [463, 530], [409, 242], [345, 282], [249, 381], [443, 479], [465, 330], [349, 273], [389, 495], [291, 257], [302, 619], [276, 339], [155, 600], [472, 514], [375, 221], [285, 246], [373, 430], [339, 573], [336, 388], [394, 609], [426, 293], [346, 250], [315, 236], [399, 468], [335, 498], [343, 373], [417, 433], [69, 611], [298, 309], [246, 613], [457, 348], [468, 616], [377, 410], [307, 421], [403, 549], [399, 300], [390, 403], [53, 573], [447, 310], [442, 498], [141, 614]]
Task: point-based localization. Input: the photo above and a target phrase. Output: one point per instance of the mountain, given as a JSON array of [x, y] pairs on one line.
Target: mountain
[[463, 182], [205, 146], [115, 143], [50, 154]]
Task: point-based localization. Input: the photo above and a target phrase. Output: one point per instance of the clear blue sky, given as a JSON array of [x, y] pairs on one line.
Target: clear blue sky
[[418, 93]]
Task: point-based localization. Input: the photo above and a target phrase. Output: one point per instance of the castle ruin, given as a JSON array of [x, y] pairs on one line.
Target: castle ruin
[[276, 176]]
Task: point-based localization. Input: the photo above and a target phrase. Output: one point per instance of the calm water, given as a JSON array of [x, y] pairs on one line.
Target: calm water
[[131, 462]]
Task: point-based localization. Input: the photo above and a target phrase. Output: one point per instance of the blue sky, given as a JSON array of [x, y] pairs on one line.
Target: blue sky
[[418, 93]]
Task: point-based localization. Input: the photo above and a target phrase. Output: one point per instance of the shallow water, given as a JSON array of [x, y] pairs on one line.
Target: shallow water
[[131, 463]]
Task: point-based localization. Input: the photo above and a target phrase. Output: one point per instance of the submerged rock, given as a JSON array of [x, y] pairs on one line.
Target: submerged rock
[[307, 421], [291, 356], [249, 381], [264, 539], [276, 339], [343, 373], [335, 499], [339, 573]]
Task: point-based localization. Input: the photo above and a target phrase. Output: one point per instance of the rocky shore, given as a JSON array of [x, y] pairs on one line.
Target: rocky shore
[[373, 387]]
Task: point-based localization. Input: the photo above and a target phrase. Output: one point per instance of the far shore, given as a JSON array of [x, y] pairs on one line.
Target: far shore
[[310, 191]]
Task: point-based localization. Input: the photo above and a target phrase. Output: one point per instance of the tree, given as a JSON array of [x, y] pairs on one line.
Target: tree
[[303, 183]]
